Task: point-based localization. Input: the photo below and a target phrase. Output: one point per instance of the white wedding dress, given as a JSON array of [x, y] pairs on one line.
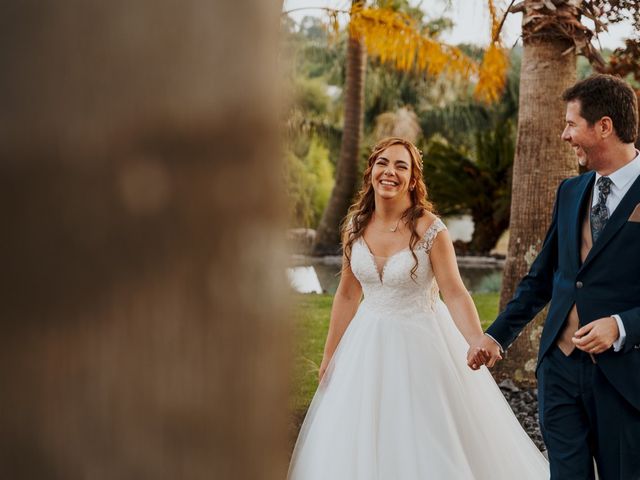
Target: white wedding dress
[[398, 401]]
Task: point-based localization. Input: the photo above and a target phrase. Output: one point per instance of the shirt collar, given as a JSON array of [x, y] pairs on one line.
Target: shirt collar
[[621, 177]]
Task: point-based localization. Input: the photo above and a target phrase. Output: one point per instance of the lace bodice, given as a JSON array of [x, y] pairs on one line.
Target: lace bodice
[[392, 287]]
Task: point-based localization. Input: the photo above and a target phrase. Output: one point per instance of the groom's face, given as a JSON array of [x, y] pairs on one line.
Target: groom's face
[[580, 135]]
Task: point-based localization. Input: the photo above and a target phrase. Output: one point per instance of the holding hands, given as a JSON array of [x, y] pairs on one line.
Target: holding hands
[[595, 337], [483, 351]]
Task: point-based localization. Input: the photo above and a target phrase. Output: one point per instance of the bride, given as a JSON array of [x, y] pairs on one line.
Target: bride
[[396, 399]]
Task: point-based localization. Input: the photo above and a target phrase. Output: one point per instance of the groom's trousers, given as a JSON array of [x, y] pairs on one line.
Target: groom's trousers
[[583, 417]]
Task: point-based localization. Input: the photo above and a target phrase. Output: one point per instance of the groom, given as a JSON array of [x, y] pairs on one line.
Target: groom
[[589, 269]]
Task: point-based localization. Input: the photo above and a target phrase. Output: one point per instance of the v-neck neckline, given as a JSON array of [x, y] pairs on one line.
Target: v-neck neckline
[[380, 271]]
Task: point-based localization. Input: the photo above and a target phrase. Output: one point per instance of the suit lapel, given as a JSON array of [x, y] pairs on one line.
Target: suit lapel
[[577, 216], [617, 220]]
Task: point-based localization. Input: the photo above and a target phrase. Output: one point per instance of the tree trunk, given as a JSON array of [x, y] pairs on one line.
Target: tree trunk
[[142, 333], [541, 161], [327, 239]]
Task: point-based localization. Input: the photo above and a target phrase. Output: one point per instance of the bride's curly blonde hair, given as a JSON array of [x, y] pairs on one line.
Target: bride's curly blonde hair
[[359, 214]]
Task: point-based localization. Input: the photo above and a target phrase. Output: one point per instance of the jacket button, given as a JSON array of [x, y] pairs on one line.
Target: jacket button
[[579, 284]]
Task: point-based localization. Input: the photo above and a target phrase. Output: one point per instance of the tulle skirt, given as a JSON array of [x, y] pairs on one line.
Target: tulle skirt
[[398, 402]]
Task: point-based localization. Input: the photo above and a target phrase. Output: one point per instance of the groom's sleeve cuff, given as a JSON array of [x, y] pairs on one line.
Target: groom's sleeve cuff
[[619, 343], [501, 349]]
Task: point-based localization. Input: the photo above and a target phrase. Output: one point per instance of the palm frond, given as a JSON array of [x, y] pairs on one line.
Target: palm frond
[[396, 38], [458, 116], [492, 72]]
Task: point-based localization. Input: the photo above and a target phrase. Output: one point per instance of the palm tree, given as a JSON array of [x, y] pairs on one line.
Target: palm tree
[[328, 232], [553, 34], [142, 333], [480, 186], [396, 38], [468, 162], [551, 37]]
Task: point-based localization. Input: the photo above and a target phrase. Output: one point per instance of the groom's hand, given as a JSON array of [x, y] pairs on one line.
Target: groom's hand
[[484, 351], [597, 336]]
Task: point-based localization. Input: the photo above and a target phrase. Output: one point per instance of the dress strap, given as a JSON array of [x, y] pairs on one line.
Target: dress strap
[[432, 232]]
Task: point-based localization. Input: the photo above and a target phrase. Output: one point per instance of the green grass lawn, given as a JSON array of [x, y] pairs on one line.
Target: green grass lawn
[[312, 321]]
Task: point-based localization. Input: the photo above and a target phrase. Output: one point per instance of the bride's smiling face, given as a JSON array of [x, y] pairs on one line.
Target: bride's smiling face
[[391, 172]]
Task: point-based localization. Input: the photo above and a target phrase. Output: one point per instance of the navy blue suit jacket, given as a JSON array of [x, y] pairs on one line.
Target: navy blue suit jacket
[[607, 283]]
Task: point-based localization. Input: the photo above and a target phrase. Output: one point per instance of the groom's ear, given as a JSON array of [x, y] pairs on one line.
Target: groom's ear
[[605, 127]]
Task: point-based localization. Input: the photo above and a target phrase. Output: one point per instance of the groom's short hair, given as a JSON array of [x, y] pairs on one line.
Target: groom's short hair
[[603, 95]]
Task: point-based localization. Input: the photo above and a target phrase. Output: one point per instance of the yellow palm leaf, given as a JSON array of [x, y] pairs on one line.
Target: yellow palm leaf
[[492, 74], [395, 38]]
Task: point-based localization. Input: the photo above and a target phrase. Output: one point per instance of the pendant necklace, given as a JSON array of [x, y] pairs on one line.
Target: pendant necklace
[[393, 229]]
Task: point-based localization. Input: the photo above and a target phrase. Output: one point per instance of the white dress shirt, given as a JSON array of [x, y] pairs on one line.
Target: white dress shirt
[[621, 181]]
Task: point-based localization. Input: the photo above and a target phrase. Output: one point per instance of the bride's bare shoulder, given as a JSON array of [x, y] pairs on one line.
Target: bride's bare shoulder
[[425, 222]]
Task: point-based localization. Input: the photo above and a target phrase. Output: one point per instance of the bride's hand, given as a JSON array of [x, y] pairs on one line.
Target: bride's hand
[[483, 352], [476, 357]]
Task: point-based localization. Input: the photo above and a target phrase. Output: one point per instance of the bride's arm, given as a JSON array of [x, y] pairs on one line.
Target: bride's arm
[[345, 305], [456, 296]]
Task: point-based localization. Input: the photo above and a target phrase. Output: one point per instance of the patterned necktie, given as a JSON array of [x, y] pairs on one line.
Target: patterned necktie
[[600, 212]]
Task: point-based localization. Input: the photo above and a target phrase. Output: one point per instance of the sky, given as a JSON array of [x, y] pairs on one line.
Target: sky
[[471, 19]]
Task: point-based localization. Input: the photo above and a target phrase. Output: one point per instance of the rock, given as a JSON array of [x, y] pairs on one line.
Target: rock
[[524, 403], [508, 385]]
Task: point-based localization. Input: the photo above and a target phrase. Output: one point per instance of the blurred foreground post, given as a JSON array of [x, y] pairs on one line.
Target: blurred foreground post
[[141, 328]]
